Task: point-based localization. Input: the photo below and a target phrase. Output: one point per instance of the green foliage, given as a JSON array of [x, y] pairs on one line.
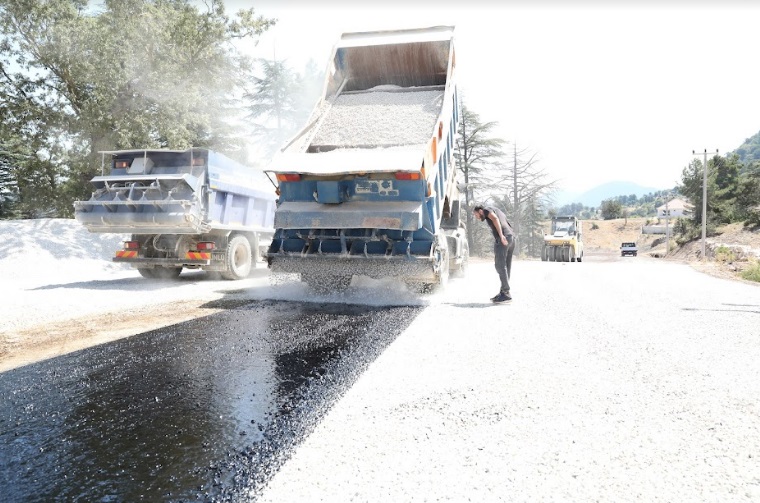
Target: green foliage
[[8, 185], [131, 74], [724, 254], [748, 196], [749, 151], [575, 209], [752, 273], [644, 206], [594, 226], [611, 209], [280, 102], [733, 190]]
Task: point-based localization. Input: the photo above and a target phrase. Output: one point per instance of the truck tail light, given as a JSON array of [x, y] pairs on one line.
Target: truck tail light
[[405, 175], [205, 245], [131, 245], [199, 161], [288, 177], [121, 164]]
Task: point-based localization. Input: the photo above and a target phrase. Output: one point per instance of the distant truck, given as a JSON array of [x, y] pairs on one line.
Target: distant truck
[[368, 187], [564, 243], [194, 209], [628, 249]]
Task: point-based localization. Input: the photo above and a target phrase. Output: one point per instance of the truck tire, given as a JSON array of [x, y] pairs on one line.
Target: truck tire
[[146, 272], [462, 269], [441, 250], [580, 259], [167, 272], [565, 254], [238, 258]]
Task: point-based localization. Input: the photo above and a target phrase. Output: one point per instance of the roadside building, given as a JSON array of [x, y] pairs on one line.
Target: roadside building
[[675, 208]]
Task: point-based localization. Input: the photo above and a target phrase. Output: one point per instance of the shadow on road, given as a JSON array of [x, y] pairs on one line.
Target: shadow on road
[[145, 284]]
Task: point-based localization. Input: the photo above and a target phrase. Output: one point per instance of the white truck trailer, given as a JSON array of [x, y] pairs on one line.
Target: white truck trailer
[[194, 209]]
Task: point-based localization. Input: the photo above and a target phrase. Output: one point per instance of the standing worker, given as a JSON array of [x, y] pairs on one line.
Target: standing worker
[[503, 247]]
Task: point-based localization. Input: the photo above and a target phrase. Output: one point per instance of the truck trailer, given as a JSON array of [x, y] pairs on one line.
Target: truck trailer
[[368, 187], [194, 209]]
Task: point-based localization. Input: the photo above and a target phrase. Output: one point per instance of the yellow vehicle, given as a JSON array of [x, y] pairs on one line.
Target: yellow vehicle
[[564, 243]]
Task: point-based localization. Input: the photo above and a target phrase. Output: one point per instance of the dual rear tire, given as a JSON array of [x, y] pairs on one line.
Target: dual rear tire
[[238, 258]]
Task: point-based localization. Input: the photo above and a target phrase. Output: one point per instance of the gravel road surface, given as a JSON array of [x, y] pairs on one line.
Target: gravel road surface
[[624, 380], [614, 379]]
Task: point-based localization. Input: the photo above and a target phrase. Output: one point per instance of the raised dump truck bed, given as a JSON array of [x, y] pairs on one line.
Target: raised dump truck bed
[[368, 186]]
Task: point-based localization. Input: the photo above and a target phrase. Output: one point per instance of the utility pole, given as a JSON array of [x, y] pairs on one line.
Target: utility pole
[[667, 228], [704, 198]]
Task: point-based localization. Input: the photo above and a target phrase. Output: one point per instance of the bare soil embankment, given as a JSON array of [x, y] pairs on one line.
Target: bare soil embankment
[[729, 251]]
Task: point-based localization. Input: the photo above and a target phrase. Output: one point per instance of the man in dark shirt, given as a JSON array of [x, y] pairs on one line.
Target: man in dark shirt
[[503, 247]]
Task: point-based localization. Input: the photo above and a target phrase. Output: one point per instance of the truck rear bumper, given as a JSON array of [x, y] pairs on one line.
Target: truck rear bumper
[[399, 215], [161, 261], [411, 268], [141, 223]]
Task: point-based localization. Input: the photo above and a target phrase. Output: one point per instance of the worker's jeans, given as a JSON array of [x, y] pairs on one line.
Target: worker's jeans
[[502, 258]]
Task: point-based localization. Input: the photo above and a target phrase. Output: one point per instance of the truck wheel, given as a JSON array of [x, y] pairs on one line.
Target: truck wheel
[[238, 258], [544, 254], [441, 251], [580, 259], [566, 255], [462, 269], [167, 272], [146, 272]]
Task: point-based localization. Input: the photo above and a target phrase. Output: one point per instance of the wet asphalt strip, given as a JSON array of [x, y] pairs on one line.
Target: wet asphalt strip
[[206, 410]]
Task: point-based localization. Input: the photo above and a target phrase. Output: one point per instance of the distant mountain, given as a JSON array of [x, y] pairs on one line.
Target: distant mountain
[[595, 196]]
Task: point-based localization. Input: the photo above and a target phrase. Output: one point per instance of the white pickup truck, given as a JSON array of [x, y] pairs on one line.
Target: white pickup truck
[[628, 249]]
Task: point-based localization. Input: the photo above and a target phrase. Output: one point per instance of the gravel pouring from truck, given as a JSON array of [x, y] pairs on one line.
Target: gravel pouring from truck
[[368, 186], [194, 208]]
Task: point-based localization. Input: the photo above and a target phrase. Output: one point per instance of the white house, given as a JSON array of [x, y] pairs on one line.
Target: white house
[[675, 208]]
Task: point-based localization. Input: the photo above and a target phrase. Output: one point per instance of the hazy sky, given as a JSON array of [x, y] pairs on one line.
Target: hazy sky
[[601, 93]]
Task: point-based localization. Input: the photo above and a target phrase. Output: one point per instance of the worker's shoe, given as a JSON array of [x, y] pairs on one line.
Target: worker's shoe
[[496, 296], [502, 297]]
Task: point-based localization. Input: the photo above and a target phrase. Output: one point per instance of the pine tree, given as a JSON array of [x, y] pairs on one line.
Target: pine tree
[[132, 74]]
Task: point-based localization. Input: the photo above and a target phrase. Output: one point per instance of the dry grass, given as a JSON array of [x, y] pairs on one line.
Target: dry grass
[[610, 234]]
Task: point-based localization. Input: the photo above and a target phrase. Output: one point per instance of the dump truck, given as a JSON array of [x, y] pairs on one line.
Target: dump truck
[[194, 209], [368, 187], [564, 243]]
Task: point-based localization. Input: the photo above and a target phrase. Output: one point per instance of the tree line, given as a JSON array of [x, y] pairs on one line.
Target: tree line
[[76, 79], [733, 192]]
